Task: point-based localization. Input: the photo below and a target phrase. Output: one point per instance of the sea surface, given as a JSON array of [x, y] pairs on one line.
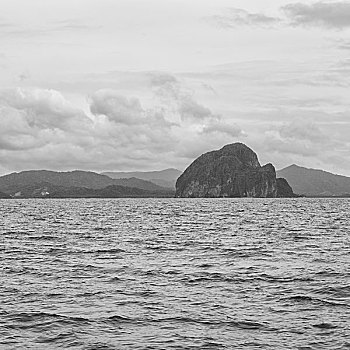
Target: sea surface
[[175, 274]]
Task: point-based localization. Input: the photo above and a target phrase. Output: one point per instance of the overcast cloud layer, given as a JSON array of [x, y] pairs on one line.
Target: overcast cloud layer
[[125, 85]]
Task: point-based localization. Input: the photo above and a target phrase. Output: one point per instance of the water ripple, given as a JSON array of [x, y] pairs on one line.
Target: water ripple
[[175, 274]]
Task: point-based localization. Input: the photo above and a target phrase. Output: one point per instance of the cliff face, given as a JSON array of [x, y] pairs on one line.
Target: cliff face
[[284, 190], [233, 171]]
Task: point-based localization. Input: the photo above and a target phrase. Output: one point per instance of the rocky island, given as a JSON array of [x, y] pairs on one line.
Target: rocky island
[[232, 171]]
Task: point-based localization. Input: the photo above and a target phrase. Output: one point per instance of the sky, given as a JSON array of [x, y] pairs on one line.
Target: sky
[[122, 85]]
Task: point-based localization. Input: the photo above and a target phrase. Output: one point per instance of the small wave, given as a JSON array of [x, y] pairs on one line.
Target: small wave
[[67, 336], [207, 277], [114, 279], [337, 291], [205, 265], [98, 228], [244, 324], [146, 293], [172, 272], [300, 298], [307, 298], [37, 317], [251, 325], [99, 346], [282, 279], [109, 251], [121, 319], [39, 219], [328, 273], [324, 325], [88, 294], [252, 284], [56, 250]]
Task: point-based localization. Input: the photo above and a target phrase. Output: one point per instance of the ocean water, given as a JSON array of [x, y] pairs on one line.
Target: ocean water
[[175, 274]]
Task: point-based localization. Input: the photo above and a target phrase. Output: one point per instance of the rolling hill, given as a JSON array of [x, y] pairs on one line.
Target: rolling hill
[[164, 178], [33, 181], [47, 190], [315, 183], [4, 195]]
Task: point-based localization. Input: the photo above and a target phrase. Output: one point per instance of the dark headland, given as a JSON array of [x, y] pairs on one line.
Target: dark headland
[[232, 171]]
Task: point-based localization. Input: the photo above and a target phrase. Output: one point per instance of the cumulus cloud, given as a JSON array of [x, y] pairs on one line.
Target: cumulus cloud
[[34, 118], [136, 133], [126, 110], [308, 143], [44, 109], [40, 128], [150, 130], [191, 109], [116, 107], [301, 130], [319, 14], [170, 90], [16, 133], [220, 127], [299, 137]]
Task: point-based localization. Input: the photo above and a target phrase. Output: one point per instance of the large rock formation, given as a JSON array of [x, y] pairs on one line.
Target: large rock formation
[[284, 190], [232, 171]]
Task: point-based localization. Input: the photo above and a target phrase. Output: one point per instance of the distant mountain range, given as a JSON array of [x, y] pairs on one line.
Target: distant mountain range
[[47, 190], [315, 183], [44, 183], [4, 195], [165, 178], [87, 184]]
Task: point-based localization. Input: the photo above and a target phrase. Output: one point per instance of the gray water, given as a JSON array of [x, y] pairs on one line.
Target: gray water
[[175, 274]]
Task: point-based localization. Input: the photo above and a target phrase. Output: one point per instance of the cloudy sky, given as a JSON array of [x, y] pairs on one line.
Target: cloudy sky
[[145, 85]]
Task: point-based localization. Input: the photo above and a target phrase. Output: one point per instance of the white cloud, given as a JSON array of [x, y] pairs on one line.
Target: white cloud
[[234, 17], [117, 108], [44, 109], [298, 136], [335, 14], [331, 15], [182, 100], [220, 127], [40, 128]]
